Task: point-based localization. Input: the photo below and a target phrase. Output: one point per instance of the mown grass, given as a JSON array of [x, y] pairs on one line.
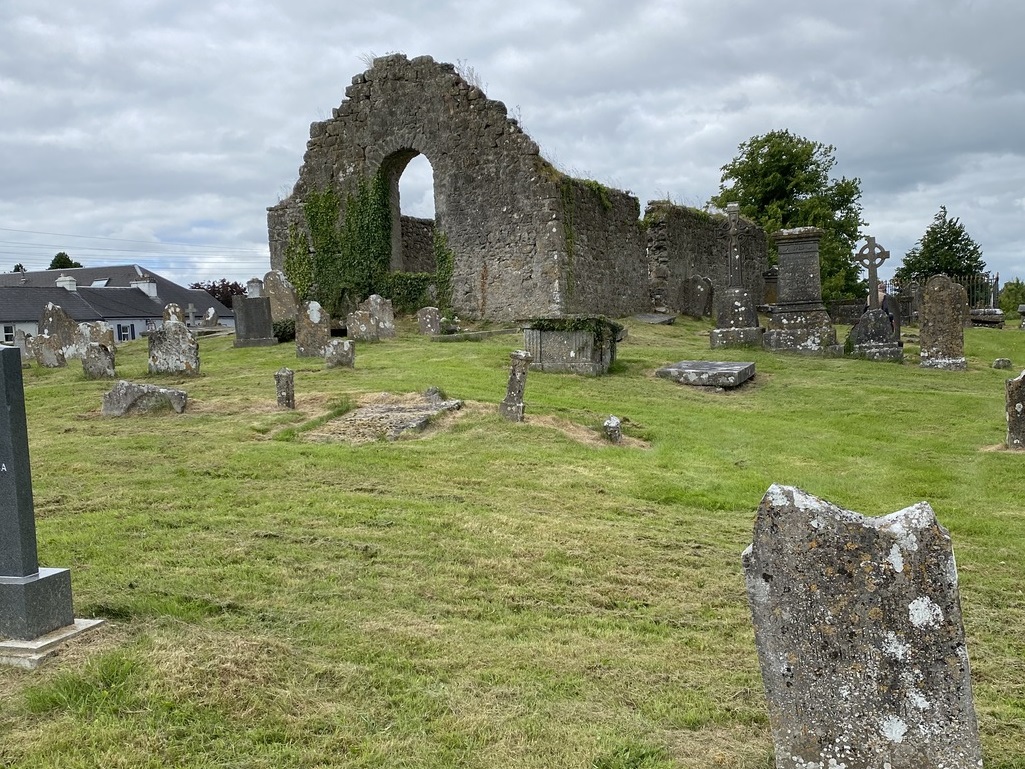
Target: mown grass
[[491, 594]]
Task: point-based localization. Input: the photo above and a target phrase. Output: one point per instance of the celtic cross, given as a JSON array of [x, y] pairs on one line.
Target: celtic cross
[[871, 256]]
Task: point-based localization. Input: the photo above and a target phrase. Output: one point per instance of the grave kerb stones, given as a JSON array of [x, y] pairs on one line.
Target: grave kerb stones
[[860, 637]]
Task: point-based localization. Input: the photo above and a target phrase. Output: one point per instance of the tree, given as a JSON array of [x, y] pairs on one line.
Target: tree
[[19, 267], [782, 181], [946, 247], [222, 290], [61, 261], [1012, 295]]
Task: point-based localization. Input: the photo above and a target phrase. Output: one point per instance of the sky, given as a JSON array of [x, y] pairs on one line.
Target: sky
[[157, 133]]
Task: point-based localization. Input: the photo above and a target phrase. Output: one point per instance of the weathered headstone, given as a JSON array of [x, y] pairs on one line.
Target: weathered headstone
[[210, 318], [340, 353], [613, 429], [190, 313], [428, 321], [1002, 363], [59, 333], [696, 294], [876, 336], [284, 383], [736, 321], [941, 333], [253, 324], [34, 601], [798, 321], [312, 330], [362, 326], [381, 310], [283, 299], [47, 351], [21, 341], [254, 288], [512, 406], [132, 398], [96, 331], [860, 637], [173, 350], [98, 362], [1016, 412], [708, 373], [173, 313]]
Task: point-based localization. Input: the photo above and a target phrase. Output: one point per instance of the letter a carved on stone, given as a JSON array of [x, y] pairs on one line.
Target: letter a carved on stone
[[860, 637]]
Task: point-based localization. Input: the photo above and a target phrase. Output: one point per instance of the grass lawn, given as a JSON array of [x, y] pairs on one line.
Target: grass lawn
[[489, 594]]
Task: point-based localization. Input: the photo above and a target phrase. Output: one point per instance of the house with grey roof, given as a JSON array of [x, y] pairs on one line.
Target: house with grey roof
[[129, 298]]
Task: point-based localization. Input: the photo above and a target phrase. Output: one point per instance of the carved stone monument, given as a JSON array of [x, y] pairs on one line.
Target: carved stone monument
[[512, 407], [876, 336], [736, 322], [284, 384], [860, 638], [253, 324], [312, 330], [798, 322], [941, 333], [35, 602], [1016, 412]]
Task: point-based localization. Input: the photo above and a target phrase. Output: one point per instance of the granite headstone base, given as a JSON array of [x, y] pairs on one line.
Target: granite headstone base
[[801, 331], [35, 605], [706, 373]]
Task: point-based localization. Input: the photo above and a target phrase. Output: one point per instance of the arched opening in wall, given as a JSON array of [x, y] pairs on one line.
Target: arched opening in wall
[[411, 180]]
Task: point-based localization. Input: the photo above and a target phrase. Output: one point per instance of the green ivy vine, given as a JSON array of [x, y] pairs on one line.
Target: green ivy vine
[[444, 267]]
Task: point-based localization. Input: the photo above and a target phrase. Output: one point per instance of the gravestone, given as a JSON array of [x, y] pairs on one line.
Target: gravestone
[[59, 333], [708, 373], [1016, 412], [34, 601], [875, 336], [284, 384], [860, 637], [613, 429], [512, 406], [210, 319], [362, 326], [47, 351], [340, 353], [132, 398], [573, 344], [253, 324], [798, 322], [98, 362], [96, 331], [696, 294], [383, 314], [173, 350], [1002, 363], [173, 313], [312, 330], [21, 341], [428, 321], [254, 288], [942, 321], [736, 320], [191, 313], [284, 302]]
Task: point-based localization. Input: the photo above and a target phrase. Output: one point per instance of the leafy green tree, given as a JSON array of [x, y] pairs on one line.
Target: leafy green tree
[[61, 261], [19, 267], [222, 290], [1012, 295], [782, 181], [946, 247]]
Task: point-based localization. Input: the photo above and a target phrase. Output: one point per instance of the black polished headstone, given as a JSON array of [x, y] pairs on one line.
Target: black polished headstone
[[253, 324], [33, 601]]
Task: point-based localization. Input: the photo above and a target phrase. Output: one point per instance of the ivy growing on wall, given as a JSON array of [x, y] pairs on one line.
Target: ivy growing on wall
[[298, 265], [444, 266]]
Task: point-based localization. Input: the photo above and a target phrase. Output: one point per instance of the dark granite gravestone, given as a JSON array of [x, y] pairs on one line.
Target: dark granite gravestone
[[253, 324], [708, 373], [860, 638], [696, 297], [34, 601]]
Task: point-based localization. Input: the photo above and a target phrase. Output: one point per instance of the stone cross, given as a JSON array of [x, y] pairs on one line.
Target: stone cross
[[735, 267], [871, 256], [191, 310], [33, 600]]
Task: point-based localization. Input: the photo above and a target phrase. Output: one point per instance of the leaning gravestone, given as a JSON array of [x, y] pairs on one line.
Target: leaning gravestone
[[941, 333], [210, 319], [98, 362], [60, 332], [132, 398], [860, 638], [284, 301], [428, 321], [1016, 412], [253, 324], [312, 330], [173, 350], [512, 406], [34, 601], [383, 314], [362, 326]]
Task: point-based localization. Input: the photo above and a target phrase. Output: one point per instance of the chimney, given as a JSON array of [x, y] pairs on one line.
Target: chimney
[[147, 285], [67, 283]]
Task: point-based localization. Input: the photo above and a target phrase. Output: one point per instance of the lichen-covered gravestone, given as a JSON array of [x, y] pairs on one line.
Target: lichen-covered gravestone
[[383, 314], [860, 637], [512, 407], [133, 398], [173, 350], [283, 299], [98, 362], [173, 313], [312, 330], [362, 326], [340, 353], [1016, 412], [428, 320], [284, 384], [941, 333]]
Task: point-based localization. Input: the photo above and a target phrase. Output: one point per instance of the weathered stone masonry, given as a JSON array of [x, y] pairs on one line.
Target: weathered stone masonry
[[527, 240]]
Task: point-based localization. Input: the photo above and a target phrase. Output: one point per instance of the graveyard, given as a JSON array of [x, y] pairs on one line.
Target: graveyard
[[486, 592]]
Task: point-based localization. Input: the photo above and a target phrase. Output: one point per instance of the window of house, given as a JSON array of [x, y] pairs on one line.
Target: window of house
[[125, 332], [8, 334]]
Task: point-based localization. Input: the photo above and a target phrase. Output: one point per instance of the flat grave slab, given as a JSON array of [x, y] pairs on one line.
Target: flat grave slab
[[656, 318], [708, 373]]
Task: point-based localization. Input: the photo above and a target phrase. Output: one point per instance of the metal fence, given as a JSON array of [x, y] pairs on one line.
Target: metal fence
[[983, 289]]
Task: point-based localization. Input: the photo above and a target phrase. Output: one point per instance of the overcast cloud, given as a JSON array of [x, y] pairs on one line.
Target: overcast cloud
[[158, 132]]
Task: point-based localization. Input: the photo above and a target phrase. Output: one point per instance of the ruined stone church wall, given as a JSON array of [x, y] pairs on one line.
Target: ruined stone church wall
[[418, 244], [684, 242]]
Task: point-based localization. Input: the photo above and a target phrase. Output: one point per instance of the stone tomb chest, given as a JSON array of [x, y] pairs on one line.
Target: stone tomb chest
[[574, 345]]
